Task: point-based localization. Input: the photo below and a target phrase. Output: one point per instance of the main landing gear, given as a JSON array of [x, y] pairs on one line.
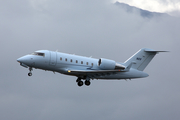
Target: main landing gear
[[80, 82], [30, 73]]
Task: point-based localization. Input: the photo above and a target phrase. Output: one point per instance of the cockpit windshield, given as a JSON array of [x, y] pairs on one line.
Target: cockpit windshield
[[38, 53]]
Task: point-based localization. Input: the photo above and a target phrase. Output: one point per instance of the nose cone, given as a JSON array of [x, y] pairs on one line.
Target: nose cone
[[25, 59], [21, 59]]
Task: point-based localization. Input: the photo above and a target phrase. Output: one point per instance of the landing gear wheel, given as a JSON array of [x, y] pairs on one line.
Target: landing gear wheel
[[87, 82], [29, 74], [80, 83]]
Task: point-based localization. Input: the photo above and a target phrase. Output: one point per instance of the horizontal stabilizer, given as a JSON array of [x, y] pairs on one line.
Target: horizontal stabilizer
[[153, 51]]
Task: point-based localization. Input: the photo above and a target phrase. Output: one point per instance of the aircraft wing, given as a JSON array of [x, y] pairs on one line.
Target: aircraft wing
[[93, 71]]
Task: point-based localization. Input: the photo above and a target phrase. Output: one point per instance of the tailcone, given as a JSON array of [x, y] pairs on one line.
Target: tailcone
[[144, 74]]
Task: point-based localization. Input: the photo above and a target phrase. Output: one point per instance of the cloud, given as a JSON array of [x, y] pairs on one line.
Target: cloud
[[88, 28], [163, 6]]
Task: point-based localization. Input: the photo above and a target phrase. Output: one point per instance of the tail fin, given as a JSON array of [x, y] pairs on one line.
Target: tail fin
[[141, 58]]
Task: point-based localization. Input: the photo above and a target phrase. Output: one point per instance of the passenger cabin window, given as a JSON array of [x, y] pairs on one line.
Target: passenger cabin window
[[87, 63], [91, 64], [81, 62], [38, 54], [60, 58], [76, 61], [66, 59], [71, 60]]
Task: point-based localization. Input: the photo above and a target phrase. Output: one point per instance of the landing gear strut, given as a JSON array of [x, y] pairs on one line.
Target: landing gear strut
[[30, 73], [78, 79]]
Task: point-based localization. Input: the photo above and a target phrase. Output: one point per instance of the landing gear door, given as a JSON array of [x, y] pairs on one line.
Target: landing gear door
[[53, 59]]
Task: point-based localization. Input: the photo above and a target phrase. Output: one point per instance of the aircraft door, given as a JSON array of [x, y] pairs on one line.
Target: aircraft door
[[53, 59]]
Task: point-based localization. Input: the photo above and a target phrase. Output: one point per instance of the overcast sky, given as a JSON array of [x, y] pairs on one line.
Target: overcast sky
[[89, 28]]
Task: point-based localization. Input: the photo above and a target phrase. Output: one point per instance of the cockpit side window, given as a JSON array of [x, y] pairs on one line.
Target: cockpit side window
[[38, 53]]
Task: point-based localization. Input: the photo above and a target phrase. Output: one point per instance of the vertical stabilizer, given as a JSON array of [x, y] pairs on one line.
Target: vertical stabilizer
[[141, 58]]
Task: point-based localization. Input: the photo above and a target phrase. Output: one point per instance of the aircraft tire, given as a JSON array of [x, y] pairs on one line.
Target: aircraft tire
[[80, 83], [29, 74], [87, 82]]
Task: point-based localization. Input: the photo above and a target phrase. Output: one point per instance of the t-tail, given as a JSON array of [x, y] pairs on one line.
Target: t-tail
[[141, 59]]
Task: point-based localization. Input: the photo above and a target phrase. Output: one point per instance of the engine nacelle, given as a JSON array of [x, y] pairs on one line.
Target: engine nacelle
[[107, 64]]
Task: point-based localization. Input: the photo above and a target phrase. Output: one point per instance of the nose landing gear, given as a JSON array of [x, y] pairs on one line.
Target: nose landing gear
[[30, 73]]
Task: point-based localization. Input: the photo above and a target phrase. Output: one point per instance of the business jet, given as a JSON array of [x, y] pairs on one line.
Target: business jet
[[87, 68]]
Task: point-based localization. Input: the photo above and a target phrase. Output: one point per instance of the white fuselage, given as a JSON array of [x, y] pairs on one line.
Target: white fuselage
[[88, 68], [62, 62]]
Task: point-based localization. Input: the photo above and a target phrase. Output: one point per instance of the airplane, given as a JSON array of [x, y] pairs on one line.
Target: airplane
[[87, 68]]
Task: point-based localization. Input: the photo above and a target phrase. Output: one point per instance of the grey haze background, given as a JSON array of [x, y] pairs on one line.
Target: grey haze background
[[89, 28]]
